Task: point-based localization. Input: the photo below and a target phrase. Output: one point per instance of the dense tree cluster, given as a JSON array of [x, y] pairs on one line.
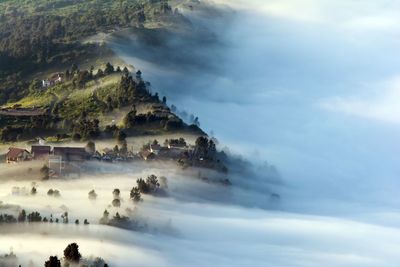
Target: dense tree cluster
[[71, 253], [86, 129], [72, 257], [117, 220], [34, 217], [205, 148], [205, 155], [23, 127], [52, 262], [7, 218], [175, 142], [8, 260], [35, 35], [148, 186], [53, 193], [39, 30], [135, 194], [78, 118]]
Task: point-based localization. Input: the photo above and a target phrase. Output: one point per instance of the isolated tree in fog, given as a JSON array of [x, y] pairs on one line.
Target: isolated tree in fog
[[92, 194], [105, 218], [22, 216], [65, 217], [71, 253], [152, 183], [135, 194], [90, 147], [142, 185], [116, 193], [33, 191], [116, 203], [52, 262], [45, 172]]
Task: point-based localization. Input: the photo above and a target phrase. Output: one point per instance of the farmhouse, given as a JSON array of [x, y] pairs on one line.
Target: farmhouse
[[56, 78], [176, 143], [15, 154], [155, 148], [147, 155], [40, 152], [66, 161], [71, 154]]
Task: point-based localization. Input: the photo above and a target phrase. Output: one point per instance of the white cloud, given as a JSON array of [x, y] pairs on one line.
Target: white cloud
[[349, 16], [382, 103]]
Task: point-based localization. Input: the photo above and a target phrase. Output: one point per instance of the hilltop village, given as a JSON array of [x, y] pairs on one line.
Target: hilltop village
[[68, 161]]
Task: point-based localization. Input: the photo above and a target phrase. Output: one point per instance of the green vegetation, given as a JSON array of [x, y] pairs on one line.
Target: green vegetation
[[80, 106], [37, 36]]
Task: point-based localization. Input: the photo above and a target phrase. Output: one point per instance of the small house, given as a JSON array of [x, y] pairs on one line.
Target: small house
[[71, 154], [176, 143], [55, 79], [60, 168], [46, 83], [155, 148], [147, 155], [40, 152], [15, 155]]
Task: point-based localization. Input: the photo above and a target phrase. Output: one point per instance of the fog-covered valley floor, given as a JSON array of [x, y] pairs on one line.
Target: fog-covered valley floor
[[310, 86], [195, 224]]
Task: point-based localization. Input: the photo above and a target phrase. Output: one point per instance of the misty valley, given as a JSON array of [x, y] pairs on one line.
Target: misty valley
[[164, 133]]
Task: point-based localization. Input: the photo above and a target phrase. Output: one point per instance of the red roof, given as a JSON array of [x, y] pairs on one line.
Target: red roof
[[14, 152]]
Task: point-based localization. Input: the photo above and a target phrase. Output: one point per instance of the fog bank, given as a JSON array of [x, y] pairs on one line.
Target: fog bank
[[309, 86]]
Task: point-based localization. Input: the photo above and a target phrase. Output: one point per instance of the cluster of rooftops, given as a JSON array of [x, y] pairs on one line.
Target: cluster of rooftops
[[42, 152]]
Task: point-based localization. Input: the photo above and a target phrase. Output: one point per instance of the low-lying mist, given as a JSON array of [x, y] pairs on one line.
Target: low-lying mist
[[306, 91], [192, 225], [306, 85], [191, 203]]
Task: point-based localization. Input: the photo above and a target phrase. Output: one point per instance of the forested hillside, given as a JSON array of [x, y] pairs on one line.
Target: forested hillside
[[35, 35]]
